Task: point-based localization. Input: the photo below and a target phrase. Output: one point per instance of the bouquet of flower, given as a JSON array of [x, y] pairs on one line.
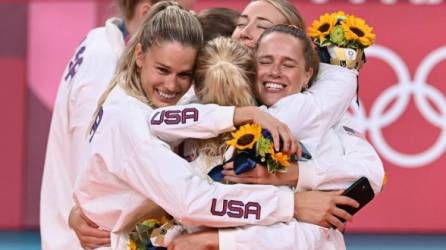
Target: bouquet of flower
[[341, 39], [253, 144], [153, 234]]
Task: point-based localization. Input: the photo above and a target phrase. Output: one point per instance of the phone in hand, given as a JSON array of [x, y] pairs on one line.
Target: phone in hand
[[361, 191]]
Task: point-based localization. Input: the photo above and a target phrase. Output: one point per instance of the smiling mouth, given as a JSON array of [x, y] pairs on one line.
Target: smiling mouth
[[274, 86], [166, 95]]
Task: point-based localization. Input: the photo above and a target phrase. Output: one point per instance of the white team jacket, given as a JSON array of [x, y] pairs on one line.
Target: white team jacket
[[128, 166], [340, 156], [84, 80]]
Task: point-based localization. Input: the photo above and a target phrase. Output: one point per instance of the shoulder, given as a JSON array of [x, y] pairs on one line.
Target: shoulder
[[98, 44], [126, 112], [96, 58], [103, 44], [120, 103]]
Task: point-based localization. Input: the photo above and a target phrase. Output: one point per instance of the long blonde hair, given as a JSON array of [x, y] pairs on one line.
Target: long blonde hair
[[289, 11], [225, 75], [167, 21]]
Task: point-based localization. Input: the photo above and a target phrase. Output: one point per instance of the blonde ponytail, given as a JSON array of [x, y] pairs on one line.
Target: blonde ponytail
[[224, 75]]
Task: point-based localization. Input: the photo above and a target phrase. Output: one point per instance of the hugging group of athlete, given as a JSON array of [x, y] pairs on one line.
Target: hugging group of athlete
[[140, 122]]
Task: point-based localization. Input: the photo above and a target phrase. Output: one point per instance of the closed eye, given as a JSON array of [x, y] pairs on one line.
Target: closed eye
[[262, 27], [163, 71], [241, 25], [185, 75], [264, 62], [242, 22]]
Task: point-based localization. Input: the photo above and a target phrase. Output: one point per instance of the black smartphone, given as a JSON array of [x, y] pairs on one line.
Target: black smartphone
[[361, 191]]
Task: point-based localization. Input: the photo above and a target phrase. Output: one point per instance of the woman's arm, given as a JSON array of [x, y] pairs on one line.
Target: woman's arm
[[175, 123], [145, 164], [311, 113], [202, 121], [306, 114], [293, 235], [343, 157]]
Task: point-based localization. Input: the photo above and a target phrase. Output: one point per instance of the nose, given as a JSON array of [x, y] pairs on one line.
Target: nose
[[246, 34], [171, 83], [274, 70]]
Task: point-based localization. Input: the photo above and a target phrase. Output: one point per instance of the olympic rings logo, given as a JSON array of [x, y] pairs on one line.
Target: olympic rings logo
[[402, 92]]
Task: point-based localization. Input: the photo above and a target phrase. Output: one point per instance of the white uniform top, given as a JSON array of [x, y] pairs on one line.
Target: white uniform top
[[340, 157], [128, 165], [84, 80]]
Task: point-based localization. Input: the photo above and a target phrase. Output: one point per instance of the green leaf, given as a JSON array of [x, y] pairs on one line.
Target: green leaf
[[327, 42], [272, 166], [337, 35], [263, 146]]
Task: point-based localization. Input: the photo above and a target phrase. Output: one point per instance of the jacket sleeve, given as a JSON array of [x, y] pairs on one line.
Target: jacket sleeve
[[175, 123], [293, 235], [148, 166], [356, 158], [312, 112]]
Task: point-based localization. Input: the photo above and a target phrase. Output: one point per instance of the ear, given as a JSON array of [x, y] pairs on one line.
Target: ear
[[307, 76], [139, 55], [142, 9]]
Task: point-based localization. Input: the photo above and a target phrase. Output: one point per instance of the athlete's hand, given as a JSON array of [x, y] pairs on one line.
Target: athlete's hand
[[87, 231], [318, 207], [260, 175], [205, 240], [278, 129]]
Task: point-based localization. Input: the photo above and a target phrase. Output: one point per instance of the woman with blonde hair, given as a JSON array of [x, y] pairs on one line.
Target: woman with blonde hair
[[224, 75], [260, 15], [129, 171], [86, 76]]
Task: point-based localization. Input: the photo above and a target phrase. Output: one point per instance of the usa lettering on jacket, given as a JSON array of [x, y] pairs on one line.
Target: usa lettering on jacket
[[236, 209], [173, 117]]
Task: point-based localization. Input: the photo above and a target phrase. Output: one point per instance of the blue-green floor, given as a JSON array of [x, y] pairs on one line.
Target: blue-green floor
[[30, 240], [24, 240], [395, 242]]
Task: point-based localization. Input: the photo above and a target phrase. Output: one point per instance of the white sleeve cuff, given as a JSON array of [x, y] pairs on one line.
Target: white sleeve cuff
[[226, 239], [307, 175], [326, 68], [285, 210]]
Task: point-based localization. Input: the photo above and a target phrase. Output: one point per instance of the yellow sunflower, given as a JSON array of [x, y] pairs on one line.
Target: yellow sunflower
[[245, 137], [131, 245], [281, 158], [339, 15], [321, 28], [355, 29]]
